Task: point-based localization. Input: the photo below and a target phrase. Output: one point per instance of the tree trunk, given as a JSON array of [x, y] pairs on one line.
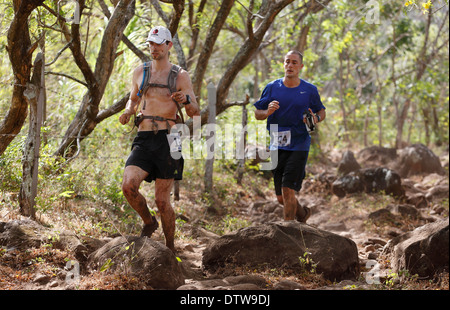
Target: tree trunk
[[241, 152], [20, 52], [210, 138], [34, 94], [205, 54], [436, 128], [401, 122], [303, 39], [341, 98], [195, 30]]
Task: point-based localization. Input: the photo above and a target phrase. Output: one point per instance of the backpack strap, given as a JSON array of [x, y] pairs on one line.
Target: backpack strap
[[172, 83], [145, 79], [172, 78]]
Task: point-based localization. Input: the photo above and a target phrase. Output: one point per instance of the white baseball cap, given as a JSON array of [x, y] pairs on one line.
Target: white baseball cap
[[159, 35]]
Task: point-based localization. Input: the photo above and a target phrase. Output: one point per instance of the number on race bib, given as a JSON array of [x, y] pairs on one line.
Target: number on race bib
[[282, 138]]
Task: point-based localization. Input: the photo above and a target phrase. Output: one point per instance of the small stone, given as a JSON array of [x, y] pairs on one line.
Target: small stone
[[53, 284], [41, 279]]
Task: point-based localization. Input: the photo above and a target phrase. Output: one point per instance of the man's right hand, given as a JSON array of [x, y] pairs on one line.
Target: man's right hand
[[273, 106], [124, 118]]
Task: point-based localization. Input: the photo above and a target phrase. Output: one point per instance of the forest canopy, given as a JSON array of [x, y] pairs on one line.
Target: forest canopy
[[381, 66]]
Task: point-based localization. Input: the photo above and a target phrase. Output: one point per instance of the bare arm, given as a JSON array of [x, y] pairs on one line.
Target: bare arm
[[185, 88], [322, 114], [133, 101], [263, 114]]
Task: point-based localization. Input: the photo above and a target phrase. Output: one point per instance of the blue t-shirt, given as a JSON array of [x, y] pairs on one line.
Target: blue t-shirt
[[292, 134]]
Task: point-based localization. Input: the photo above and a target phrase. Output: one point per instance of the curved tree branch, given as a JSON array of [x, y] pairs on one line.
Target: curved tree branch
[[97, 79]]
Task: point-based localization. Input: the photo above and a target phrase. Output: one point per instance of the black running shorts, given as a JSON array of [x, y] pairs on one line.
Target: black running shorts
[[150, 151], [290, 170]]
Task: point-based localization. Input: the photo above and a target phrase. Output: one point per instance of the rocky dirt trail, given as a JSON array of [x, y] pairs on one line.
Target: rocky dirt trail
[[34, 257]]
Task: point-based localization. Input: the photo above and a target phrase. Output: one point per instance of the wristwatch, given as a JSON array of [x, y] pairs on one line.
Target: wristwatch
[[188, 100], [318, 117]]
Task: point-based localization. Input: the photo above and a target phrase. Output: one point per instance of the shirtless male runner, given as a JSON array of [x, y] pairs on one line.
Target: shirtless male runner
[[150, 158]]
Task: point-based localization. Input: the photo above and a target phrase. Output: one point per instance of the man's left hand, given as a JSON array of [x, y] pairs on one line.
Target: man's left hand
[[179, 97]]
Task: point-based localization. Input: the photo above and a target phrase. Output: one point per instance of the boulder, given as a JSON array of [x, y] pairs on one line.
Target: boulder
[[285, 244], [405, 210], [394, 214], [369, 180], [348, 163], [375, 156], [68, 240], [419, 200], [382, 215], [418, 159], [382, 179], [423, 251], [23, 234], [348, 184], [437, 192], [145, 258]]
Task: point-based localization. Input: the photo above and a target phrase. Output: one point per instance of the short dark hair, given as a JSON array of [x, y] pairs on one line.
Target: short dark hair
[[296, 53]]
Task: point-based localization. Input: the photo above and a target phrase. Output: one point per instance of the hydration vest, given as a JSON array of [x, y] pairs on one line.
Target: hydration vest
[[171, 85]]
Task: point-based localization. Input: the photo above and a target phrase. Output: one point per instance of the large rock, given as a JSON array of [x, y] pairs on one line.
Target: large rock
[[369, 180], [375, 156], [348, 163], [284, 244], [418, 159], [348, 184], [423, 251], [145, 258], [23, 234], [382, 179]]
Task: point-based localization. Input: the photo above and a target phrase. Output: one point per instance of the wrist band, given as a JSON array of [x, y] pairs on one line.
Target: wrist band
[[318, 117]]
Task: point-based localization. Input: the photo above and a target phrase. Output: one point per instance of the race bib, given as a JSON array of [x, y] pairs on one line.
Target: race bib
[[281, 138]]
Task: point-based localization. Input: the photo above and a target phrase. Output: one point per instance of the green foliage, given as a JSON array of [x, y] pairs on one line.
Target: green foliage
[[11, 166], [350, 60], [108, 264], [307, 264], [228, 224]]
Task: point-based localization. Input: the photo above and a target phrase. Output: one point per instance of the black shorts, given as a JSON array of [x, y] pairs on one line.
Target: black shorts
[[150, 151], [290, 170]]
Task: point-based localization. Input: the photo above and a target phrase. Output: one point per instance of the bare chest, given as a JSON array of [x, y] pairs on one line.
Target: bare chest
[[158, 89]]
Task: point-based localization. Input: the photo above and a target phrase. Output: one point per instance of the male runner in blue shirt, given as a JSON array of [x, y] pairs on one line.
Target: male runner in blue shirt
[[283, 102]]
